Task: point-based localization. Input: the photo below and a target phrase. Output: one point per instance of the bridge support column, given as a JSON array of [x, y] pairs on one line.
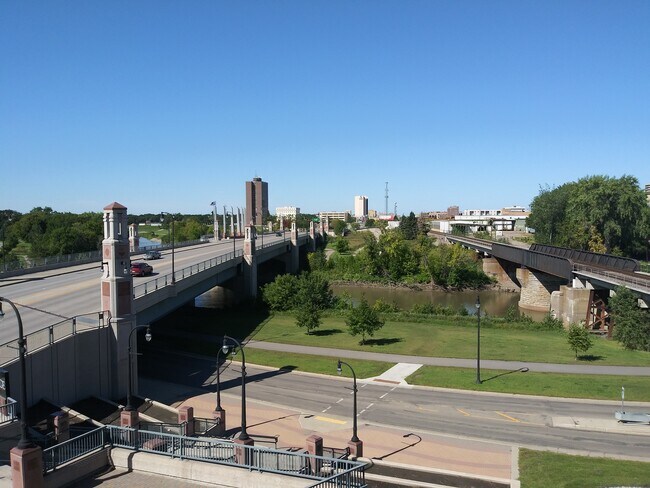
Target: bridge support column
[[503, 271], [312, 237], [570, 305], [117, 296], [26, 467], [536, 288], [250, 263], [294, 265]]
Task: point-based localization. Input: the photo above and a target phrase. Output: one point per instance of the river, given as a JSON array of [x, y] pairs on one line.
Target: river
[[493, 302]]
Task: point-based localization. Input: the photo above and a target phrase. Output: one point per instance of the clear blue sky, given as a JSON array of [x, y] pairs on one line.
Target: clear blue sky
[[169, 105]]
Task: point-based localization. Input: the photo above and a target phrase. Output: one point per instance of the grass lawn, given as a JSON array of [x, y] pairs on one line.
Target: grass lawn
[[152, 231], [450, 337], [539, 469], [600, 387], [314, 364]]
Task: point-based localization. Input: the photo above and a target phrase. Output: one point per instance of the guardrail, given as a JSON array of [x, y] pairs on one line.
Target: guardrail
[[640, 281], [166, 280]]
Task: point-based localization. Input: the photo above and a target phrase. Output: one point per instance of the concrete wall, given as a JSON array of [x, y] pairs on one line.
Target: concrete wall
[[202, 472], [570, 304], [73, 368], [77, 470]]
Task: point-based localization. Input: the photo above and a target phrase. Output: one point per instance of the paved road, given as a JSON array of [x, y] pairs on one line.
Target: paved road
[[456, 362], [68, 292], [511, 419]]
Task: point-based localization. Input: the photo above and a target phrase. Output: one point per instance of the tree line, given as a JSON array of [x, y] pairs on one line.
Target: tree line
[[595, 213]]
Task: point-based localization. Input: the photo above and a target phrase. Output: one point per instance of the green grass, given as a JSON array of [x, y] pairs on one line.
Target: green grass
[[545, 469], [450, 337], [152, 231], [602, 387], [314, 364]]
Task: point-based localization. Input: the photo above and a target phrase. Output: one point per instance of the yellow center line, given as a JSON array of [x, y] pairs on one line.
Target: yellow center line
[[327, 419], [508, 417], [463, 412]]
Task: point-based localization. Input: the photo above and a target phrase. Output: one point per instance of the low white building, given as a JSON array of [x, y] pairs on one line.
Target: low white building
[[344, 216], [289, 213]]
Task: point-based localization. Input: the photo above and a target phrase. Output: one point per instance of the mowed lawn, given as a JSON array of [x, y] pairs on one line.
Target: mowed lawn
[[453, 337], [539, 469]]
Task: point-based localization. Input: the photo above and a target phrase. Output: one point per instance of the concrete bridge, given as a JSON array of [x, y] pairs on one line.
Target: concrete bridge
[[78, 321], [573, 285]]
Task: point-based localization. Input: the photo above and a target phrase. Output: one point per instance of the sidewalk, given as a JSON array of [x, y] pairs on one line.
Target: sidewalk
[[454, 362], [292, 427]]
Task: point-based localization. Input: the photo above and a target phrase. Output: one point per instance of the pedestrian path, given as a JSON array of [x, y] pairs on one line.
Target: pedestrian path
[[397, 374], [453, 362]]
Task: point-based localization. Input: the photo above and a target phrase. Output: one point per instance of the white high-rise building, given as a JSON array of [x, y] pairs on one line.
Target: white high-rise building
[[360, 207]]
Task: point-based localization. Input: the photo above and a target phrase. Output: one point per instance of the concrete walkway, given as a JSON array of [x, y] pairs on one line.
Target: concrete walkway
[[459, 363]]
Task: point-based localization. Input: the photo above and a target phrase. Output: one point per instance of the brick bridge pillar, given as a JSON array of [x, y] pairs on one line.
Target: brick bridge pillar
[[250, 262], [134, 238], [117, 295], [503, 271], [571, 305], [312, 237], [294, 264], [536, 289]]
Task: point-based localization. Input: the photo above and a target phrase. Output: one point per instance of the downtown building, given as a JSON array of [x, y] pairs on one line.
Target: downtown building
[[257, 201], [361, 207]]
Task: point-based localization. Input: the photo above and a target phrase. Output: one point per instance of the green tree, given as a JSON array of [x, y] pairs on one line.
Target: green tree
[[342, 245], [631, 323], [281, 294], [593, 212], [339, 226], [579, 339], [314, 289], [363, 320], [317, 261], [308, 315], [409, 227]]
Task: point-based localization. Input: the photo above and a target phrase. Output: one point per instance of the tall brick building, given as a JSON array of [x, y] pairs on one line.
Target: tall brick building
[[257, 201]]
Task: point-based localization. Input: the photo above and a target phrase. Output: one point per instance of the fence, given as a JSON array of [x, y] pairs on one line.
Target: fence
[[67, 451], [165, 280], [326, 471], [8, 411]]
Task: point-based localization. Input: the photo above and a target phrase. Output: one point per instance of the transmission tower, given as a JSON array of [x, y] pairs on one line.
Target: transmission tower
[[386, 197]]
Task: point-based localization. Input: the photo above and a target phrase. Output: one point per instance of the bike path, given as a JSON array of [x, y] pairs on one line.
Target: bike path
[[586, 369]]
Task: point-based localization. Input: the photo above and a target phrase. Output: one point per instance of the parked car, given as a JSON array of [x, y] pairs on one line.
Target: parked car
[[152, 255], [141, 269], [278, 234]]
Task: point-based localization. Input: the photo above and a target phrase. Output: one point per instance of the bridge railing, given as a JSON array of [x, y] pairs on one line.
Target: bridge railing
[[44, 263], [8, 411], [166, 280], [52, 333], [640, 281], [553, 265], [587, 257]]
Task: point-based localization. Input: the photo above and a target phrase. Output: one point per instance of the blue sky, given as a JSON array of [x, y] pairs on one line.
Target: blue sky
[[169, 105]]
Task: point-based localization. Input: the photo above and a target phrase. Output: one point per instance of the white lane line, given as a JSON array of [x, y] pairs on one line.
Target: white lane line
[[383, 395], [339, 400], [369, 406], [326, 409]]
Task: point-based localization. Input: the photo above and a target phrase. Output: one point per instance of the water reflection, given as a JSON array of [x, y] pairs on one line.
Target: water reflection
[[492, 302]]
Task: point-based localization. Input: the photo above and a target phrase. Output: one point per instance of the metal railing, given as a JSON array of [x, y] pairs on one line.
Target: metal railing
[[162, 427], [640, 281], [38, 264], [220, 451], [55, 456], [52, 333], [8, 411], [587, 257], [165, 280]]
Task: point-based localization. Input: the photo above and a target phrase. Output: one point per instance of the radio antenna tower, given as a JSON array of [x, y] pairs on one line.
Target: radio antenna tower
[[386, 197]]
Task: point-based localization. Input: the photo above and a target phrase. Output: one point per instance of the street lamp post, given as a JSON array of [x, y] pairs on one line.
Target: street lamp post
[[24, 442], [478, 340], [129, 403], [161, 218], [243, 436], [354, 438]]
